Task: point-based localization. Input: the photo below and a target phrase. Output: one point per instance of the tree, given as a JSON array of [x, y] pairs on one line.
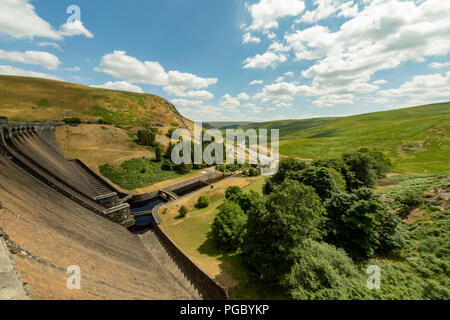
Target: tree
[[323, 272], [318, 178], [158, 154], [286, 166], [232, 190], [277, 225], [183, 211], [167, 165], [203, 201], [228, 228], [362, 224], [244, 200]]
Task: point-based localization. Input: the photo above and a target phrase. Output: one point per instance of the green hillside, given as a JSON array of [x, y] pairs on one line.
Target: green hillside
[[35, 99], [416, 139]]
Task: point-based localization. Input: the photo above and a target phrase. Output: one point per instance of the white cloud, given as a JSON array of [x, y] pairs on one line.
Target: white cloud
[[45, 59], [266, 13], [437, 65], [75, 28], [243, 96], [248, 38], [255, 82], [50, 44], [262, 61], [380, 82], [279, 79], [118, 64], [422, 89], [18, 19], [230, 103], [283, 105], [327, 8], [12, 71], [383, 35], [289, 74], [284, 91], [120, 85], [73, 69]]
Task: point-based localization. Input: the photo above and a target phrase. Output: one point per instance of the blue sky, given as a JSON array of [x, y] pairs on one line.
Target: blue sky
[[240, 60]]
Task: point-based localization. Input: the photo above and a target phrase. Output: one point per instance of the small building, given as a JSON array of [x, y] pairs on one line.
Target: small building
[[3, 119]]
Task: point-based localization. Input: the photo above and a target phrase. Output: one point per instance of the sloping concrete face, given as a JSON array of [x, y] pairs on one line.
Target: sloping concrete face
[[53, 233], [11, 286]]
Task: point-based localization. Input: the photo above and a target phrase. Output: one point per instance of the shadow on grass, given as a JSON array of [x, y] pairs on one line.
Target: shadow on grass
[[235, 276]]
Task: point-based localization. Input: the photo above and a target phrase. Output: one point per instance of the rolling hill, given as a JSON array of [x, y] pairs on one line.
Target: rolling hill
[[35, 99], [416, 139]]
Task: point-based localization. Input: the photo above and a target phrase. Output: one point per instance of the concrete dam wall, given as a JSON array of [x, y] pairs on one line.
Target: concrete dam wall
[[57, 213]]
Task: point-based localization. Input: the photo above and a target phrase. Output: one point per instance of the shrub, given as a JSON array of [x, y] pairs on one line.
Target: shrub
[[203, 201], [232, 190], [362, 224], [277, 225], [323, 272], [158, 154], [228, 228], [167, 165], [73, 120], [183, 211], [146, 137], [183, 168], [221, 168], [253, 172]]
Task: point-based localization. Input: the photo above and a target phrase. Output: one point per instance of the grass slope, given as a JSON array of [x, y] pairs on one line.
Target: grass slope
[[35, 99], [416, 139]]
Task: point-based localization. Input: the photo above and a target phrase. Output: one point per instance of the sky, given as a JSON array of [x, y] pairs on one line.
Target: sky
[[237, 60]]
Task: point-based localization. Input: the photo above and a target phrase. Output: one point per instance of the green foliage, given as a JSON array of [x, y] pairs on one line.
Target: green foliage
[[221, 167], [286, 167], [146, 137], [72, 120], [183, 211], [170, 132], [319, 178], [158, 154], [323, 272], [232, 190], [362, 224], [203, 201], [136, 173], [183, 168], [167, 165], [243, 199], [253, 172], [228, 228], [277, 225], [43, 103]]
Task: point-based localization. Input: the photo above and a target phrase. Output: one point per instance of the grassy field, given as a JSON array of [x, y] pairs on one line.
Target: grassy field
[[416, 139], [136, 173], [34, 99]]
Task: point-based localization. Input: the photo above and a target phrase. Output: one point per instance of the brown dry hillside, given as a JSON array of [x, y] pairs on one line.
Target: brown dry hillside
[[35, 99]]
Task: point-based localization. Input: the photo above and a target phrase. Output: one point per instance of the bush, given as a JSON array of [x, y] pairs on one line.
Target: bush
[[253, 172], [232, 190], [146, 137], [73, 120], [277, 225], [158, 154], [228, 228], [183, 168], [203, 201], [323, 272], [167, 165], [183, 211], [221, 168], [362, 224]]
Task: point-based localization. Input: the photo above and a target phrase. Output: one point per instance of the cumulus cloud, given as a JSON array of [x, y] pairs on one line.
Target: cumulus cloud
[[285, 91], [230, 103], [50, 44], [266, 13], [381, 36], [380, 82], [248, 38], [255, 82], [12, 71], [437, 65], [45, 59], [75, 28], [262, 61], [422, 89], [118, 64], [18, 19], [120, 85], [327, 8]]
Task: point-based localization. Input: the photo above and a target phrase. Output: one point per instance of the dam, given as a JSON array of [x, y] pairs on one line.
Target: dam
[[57, 212]]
